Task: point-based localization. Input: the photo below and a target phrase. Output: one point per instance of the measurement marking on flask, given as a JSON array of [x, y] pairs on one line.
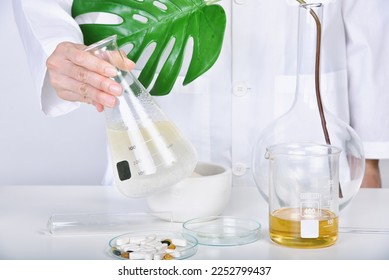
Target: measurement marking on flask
[[149, 140]]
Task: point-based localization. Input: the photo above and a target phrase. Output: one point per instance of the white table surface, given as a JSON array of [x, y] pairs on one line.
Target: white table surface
[[25, 210]]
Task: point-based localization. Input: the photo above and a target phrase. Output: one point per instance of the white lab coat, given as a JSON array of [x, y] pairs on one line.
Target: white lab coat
[[252, 82]]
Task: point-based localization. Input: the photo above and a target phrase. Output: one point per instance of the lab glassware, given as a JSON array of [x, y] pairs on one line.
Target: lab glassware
[[304, 194], [106, 222], [308, 119], [148, 151]]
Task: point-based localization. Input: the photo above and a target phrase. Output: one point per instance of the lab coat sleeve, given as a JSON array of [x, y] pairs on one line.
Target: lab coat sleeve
[[42, 25], [367, 36]]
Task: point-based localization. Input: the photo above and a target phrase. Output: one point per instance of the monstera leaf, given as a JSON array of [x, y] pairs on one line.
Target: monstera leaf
[[146, 22]]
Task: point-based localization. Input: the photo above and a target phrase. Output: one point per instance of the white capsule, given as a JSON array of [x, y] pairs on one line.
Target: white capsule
[[136, 256], [130, 247], [137, 239], [143, 242], [179, 242], [158, 256], [161, 246], [148, 251], [168, 251], [123, 240], [176, 254], [146, 246], [151, 237], [153, 244]]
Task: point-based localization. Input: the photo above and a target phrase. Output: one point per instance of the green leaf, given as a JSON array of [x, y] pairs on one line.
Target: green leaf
[[145, 22]]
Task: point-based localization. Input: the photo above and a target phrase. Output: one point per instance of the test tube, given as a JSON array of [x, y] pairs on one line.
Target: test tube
[[103, 223]]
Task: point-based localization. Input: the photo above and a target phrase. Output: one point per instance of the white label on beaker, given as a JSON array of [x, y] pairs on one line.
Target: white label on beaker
[[309, 229]]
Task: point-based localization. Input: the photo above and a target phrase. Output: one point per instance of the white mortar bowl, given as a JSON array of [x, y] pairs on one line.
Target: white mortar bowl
[[206, 193]]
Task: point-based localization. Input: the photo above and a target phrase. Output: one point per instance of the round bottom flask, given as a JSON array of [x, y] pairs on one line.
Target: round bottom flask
[[304, 123]]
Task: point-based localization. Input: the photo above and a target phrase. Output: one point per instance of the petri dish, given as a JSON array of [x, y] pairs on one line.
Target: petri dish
[[223, 230], [153, 245]]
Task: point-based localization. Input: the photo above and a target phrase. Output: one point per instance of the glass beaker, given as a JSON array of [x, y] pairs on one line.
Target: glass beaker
[[304, 193], [303, 122], [148, 151]]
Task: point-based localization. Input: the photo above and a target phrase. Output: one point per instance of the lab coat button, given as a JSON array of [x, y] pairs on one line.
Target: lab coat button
[[239, 169], [240, 90]]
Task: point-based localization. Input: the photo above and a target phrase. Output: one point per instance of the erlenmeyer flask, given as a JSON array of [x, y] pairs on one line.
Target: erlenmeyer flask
[[148, 151], [302, 123]]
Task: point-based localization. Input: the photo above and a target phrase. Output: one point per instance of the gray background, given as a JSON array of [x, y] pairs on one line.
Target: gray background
[[34, 148]]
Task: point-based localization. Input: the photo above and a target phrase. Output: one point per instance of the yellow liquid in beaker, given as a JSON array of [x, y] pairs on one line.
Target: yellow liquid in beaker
[[285, 228]]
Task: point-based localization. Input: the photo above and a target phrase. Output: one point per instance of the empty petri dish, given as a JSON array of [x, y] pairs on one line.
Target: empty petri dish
[[153, 245], [223, 230]]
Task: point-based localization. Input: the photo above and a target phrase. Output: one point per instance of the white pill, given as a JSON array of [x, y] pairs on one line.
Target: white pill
[[179, 242], [153, 243], [122, 240], [158, 256], [136, 256], [161, 246], [175, 254], [137, 239], [151, 237], [168, 251], [148, 251], [130, 247]]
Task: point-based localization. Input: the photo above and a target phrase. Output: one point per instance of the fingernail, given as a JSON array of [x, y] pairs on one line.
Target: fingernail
[[115, 89], [111, 71], [130, 65]]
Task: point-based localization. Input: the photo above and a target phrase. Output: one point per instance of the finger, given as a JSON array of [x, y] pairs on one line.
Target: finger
[[129, 64], [72, 96], [78, 91], [117, 58], [90, 62], [120, 60], [98, 81], [99, 108], [75, 54], [98, 96], [83, 75]]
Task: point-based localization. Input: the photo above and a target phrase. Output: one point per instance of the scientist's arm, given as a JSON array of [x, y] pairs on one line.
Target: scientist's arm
[[367, 36], [52, 38], [372, 178]]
